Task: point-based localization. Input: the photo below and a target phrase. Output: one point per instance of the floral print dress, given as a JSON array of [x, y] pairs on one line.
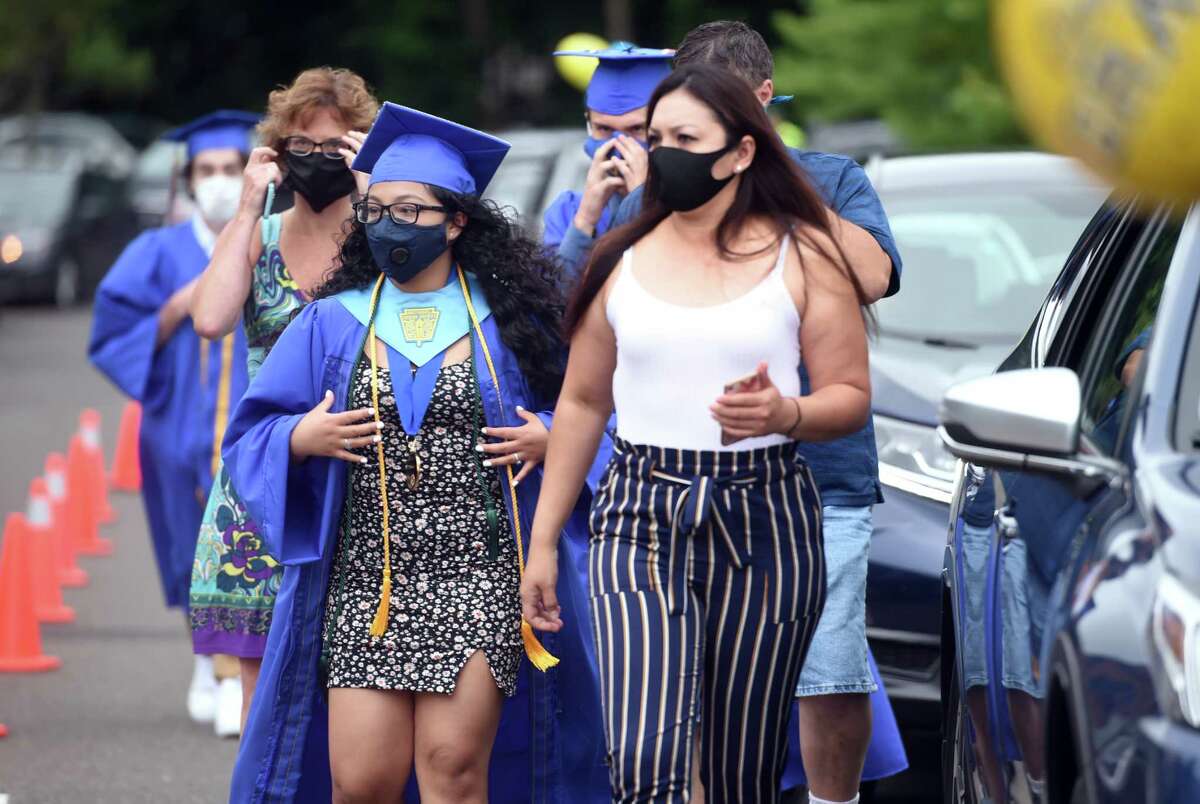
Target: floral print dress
[[449, 598], [234, 580]]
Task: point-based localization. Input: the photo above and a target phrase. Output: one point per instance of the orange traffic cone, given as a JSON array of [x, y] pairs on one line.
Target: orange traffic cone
[[81, 497], [64, 522], [20, 639], [89, 429], [48, 602], [127, 468]]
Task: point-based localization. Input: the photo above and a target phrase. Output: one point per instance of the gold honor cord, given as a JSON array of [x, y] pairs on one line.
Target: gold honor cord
[[379, 624], [537, 653], [224, 386], [541, 658]]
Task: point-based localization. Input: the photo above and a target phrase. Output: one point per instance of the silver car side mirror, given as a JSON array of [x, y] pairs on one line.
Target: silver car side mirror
[[1026, 420], [1035, 411]]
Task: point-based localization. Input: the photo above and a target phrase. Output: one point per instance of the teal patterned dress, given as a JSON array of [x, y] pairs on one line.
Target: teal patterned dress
[[234, 581]]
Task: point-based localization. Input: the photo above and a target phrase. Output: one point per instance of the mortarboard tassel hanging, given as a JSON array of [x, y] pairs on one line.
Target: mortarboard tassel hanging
[[379, 624], [539, 657]]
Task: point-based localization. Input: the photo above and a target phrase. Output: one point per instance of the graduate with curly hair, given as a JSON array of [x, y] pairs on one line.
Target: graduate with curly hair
[[390, 447]]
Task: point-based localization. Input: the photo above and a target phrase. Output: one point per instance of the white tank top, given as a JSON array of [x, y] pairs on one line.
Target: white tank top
[[673, 361]]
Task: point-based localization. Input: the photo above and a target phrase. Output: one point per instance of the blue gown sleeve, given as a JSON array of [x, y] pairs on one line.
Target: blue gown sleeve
[[631, 205], [125, 316], [560, 234], [603, 453], [283, 495], [557, 219], [856, 201]]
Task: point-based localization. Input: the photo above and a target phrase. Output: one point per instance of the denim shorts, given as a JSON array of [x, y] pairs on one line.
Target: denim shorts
[[837, 658], [1022, 601], [1023, 611], [974, 552]]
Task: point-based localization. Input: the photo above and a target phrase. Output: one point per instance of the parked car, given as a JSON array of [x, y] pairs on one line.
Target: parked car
[[95, 143], [1072, 595], [61, 226], [541, 164], [982, 237], [156, 191]]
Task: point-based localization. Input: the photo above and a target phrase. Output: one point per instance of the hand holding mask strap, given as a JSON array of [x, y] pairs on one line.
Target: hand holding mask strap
[[541, 658]]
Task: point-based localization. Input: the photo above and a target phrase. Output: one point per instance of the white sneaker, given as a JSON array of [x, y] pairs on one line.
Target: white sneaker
[[202, 692], [228, 720]]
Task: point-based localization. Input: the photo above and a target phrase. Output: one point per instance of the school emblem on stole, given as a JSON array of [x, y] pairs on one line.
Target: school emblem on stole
[[419, 324]]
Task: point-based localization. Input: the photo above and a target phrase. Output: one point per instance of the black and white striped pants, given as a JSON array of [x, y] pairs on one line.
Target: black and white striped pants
[[707, 577]]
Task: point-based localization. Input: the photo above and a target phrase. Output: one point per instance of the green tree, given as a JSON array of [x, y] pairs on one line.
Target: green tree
[[63, 51], [925, 67]]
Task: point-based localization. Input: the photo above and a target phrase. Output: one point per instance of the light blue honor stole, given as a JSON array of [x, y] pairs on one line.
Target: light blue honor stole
[[417, 329]]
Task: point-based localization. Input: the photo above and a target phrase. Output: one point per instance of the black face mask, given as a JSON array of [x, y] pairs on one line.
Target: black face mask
[[318, 178], [684, 178]]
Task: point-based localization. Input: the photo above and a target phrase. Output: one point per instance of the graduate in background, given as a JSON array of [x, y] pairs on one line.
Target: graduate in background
[[142, 339], [616, 123], [397, 643], [261, 274]]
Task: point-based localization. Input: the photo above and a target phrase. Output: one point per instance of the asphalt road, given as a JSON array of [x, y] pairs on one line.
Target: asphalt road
[[110, 725]]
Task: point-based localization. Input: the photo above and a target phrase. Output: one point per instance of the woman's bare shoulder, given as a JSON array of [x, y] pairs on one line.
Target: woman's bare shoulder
[[819, 258]]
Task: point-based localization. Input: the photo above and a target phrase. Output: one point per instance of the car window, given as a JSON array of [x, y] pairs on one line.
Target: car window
[[980, 260], [1114, 353], [36, 196], [519, 184]]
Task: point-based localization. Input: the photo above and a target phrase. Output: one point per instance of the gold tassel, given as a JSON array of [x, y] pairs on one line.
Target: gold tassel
[[539, 657], [379, 624]]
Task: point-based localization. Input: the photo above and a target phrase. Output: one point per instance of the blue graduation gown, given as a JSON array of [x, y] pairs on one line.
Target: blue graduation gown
[[550, 746], [560, 235], [176, 441]]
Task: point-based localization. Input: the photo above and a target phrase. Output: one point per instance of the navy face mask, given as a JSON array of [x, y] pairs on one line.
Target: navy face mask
[[591, 144], [403, 250]]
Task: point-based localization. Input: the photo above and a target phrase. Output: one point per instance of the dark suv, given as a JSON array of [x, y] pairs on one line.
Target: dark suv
[[1072, 570]]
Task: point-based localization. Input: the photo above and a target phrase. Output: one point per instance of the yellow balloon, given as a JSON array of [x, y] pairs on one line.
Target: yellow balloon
[[791, 134], [1115, 83], [577, 70]]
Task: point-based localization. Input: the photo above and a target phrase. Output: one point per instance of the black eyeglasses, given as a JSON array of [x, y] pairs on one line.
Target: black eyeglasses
[[303, 146], [405, 212]]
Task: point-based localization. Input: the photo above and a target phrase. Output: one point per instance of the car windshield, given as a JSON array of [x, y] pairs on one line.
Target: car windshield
[[155, 164], [978, 261], [34, 196], [519, 182]]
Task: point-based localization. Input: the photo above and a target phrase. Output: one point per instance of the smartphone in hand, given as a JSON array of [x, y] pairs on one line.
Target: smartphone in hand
[[742, 385]]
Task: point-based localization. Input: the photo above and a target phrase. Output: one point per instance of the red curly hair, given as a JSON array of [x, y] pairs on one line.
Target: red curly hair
[[342, 91]]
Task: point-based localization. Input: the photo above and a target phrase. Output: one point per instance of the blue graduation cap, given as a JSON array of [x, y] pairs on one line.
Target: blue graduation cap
[[626, 76], [408, 145], [221, 129]]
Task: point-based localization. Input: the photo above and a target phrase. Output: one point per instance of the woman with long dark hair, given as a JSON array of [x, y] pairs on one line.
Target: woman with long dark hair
[[706, 565], [365, 447]]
